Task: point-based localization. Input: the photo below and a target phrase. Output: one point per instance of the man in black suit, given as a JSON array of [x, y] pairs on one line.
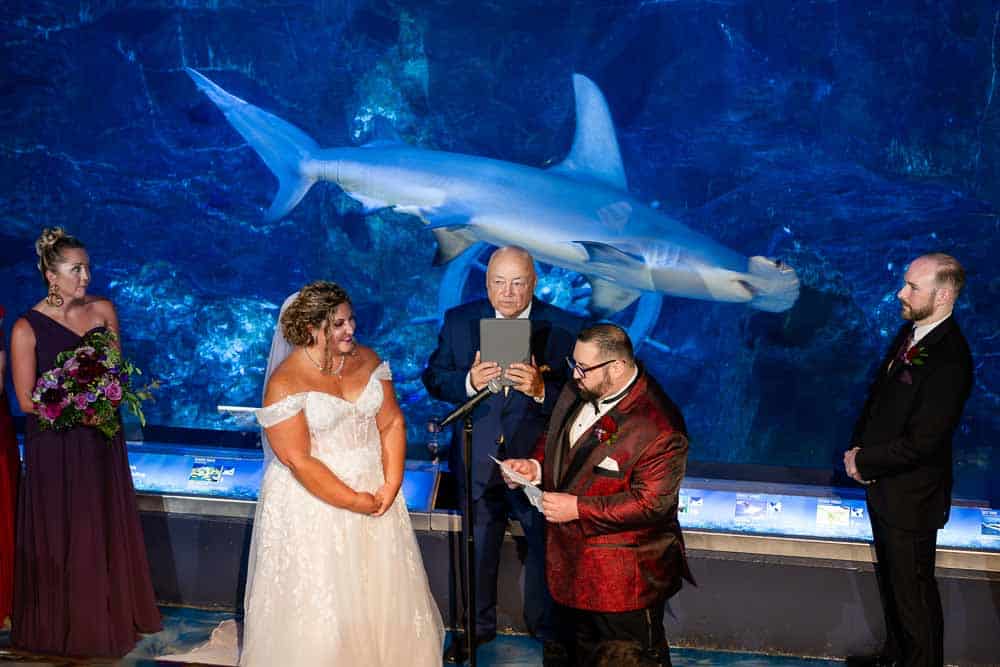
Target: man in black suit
[[505, 425], [902, 451]]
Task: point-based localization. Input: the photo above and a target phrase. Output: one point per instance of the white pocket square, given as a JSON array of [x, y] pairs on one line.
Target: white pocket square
[[608, 464]]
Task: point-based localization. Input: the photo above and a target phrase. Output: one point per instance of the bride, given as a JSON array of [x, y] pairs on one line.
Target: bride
[[335, 575]]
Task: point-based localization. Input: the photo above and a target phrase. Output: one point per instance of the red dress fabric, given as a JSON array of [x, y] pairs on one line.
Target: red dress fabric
[[10, 464]]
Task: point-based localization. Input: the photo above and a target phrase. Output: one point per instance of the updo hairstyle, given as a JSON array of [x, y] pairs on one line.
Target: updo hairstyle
[[50, 246], [313, 307]]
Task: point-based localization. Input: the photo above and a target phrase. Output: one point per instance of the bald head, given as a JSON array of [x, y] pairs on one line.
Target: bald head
[[510, 280], [930, 288]]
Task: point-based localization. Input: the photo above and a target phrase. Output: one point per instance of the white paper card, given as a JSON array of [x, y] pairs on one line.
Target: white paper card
[[533, 492]]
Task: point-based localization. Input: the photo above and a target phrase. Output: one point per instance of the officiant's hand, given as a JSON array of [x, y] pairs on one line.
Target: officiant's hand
[[482, 372], [527, 379], [386, 496]]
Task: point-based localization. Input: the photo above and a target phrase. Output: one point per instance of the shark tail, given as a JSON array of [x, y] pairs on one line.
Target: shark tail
[[283, 147], [773, 284]]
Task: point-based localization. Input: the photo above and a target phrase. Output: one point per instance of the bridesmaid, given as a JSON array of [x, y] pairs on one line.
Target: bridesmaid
[[10, 464], [82, 584]]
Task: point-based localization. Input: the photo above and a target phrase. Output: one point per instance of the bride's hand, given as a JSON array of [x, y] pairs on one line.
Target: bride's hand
[[365, 503], [387, 495]]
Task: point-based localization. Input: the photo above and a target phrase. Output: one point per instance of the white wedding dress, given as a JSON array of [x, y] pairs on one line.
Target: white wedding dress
[[327, 586]]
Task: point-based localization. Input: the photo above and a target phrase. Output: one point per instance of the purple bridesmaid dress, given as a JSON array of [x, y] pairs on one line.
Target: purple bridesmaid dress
[[82, 584]]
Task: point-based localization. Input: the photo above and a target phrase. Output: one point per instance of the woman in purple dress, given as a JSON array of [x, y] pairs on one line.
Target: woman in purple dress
[[82, 585]]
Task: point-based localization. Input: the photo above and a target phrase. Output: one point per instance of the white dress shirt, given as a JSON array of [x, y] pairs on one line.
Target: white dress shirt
[[587, 416], [919, 332]]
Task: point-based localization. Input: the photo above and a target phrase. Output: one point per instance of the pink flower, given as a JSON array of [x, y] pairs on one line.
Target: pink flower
[[114, 392], [80, 401], [51, 411]]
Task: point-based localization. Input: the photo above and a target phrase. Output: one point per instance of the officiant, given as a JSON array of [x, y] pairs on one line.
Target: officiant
[[505, 425]]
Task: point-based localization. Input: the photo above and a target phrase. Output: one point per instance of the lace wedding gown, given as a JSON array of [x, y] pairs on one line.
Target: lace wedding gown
[[327, 586]]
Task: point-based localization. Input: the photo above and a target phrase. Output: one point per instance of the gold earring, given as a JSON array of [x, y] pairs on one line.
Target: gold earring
[[54, 298]]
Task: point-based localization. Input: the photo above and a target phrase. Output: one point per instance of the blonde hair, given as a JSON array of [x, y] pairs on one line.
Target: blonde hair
[[50, 246]]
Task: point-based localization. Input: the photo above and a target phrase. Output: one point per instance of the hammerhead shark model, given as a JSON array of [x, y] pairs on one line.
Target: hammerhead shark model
[[577, 215]]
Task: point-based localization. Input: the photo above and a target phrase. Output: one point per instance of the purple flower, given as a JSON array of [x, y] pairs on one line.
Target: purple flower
[[80, 401], [91, 396], [114, 392], [54, 396]]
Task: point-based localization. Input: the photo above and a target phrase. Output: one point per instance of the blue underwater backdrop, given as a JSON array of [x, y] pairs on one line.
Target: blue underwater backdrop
[[843, 137]]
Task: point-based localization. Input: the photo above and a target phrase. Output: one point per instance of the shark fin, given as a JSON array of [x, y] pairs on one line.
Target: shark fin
[[606, 254], [445, 216], [383, 133], [369, 203], [451, 244], [607, 298], [594, 155], [282, 146]]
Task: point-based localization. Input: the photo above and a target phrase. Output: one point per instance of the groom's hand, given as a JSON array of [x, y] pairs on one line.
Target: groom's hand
[[526, 467], [559, 507]]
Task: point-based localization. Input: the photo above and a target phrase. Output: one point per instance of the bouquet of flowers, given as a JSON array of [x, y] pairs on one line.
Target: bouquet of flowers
[[87, 385]]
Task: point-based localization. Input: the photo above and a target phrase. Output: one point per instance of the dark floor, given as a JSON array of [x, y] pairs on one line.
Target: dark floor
[[186, 628]]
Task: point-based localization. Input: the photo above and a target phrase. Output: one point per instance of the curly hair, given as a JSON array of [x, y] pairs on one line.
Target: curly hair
[[312, 308], [50, 246]]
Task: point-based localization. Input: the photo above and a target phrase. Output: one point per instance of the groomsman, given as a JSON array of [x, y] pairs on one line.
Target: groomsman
[[901, 450]]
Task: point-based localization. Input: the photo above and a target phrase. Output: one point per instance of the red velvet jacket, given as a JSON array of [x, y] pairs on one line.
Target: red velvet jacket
[[626, 551]]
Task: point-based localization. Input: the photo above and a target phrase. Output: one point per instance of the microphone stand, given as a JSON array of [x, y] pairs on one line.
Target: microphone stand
[[465, 410]]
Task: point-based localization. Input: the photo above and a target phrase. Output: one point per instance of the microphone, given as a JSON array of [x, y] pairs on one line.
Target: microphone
[[494, 386]]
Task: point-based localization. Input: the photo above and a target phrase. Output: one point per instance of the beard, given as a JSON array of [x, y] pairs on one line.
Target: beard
[[592, 395], [916, 314]]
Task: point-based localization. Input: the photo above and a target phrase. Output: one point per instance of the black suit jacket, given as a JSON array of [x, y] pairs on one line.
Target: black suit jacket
[[905, 429], [520, 419]]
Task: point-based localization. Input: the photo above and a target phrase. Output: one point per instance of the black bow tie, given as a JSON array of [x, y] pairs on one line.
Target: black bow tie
[[611, 399]]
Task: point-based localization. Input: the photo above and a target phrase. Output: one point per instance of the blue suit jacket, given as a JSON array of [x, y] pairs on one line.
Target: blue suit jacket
[[519, 418]]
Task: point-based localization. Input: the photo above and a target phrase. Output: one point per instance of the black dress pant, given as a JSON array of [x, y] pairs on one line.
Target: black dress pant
[[910, 599], [582, 633]]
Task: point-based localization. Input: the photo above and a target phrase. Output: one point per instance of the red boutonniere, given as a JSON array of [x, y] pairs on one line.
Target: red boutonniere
[[606, 430], [915, 356]]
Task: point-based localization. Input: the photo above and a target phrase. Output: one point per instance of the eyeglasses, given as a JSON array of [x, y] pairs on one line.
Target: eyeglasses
[[580, 370]]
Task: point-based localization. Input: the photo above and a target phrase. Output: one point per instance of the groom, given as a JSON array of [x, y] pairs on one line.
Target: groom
[[610, 467], [505, 424]]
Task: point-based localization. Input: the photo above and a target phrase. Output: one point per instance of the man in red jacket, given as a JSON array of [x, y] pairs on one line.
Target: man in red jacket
[[610, 467]]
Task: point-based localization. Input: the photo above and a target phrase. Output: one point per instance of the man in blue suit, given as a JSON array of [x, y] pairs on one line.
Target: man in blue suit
[[506, 425]]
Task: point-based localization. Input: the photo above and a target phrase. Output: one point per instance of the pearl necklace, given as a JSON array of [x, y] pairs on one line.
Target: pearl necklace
[[336, 373]]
